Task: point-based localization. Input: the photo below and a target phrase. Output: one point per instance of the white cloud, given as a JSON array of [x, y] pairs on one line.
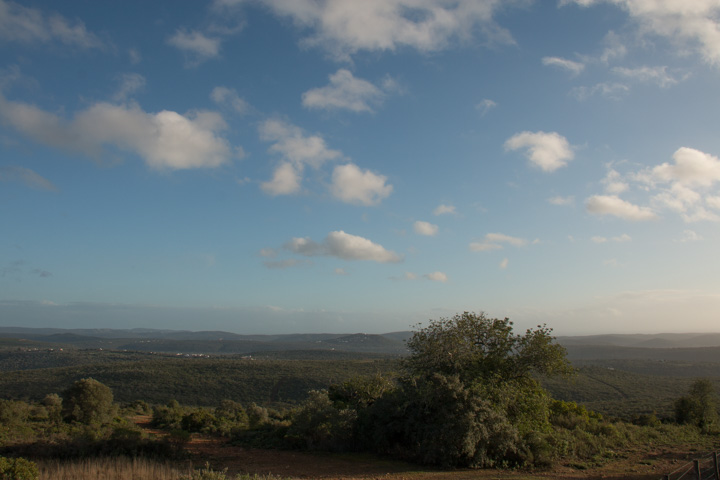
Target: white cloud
[[614, 49], [619, 239], [443, 209], [690, 236], [25, 176], [615, 206], [425, 228], [614, 183], [293, 145], [410, 276], [656, 75], [228, 97], [344, 92], [570, 200], [353, 185], [343, 245], [340, 271], [569, 65], [494, 241], [196, 45], [436, 277], [28, 25], [485, 106], [691, 168], [130, 83], [286, 180], [268, 252], [165, 140], [689, 24], [713, 202], [346, 27], [504, 263], [549, 151]]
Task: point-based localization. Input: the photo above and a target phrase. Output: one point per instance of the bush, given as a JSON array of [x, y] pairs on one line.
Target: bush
[[18, 469], [317, 424]]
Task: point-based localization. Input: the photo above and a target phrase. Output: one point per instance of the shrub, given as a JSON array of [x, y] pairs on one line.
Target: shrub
[[18, 469]]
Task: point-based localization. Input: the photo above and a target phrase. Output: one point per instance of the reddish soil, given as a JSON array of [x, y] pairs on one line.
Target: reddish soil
[[641, 465]]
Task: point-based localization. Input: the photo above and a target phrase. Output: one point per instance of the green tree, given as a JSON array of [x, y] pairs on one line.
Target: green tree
[[481, 349], [89, 402], [699, 406]]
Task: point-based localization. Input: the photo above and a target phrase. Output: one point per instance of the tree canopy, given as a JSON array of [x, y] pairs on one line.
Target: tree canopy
[[477, 348]]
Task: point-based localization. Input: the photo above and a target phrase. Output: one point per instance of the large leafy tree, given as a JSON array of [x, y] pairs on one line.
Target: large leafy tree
[[479, 349], [88, 401]]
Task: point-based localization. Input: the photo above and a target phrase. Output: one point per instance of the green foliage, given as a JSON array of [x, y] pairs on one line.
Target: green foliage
[[699, 406], [438, 420], [18, 469], [318, 424], [89, 402], [359, 392], [477, 348], [168, 416]]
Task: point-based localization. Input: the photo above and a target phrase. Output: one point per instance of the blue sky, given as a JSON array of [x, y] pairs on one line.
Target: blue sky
[[278, 166]]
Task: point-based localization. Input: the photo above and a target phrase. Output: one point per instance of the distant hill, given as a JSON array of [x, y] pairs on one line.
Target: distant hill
[[659, 340], [665, 346]]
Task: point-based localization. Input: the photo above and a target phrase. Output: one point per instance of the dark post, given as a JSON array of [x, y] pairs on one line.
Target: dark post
[[666, 477], [715, 464], [697, 469]]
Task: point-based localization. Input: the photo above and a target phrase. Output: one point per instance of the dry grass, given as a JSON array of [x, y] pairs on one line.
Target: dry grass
[[112, 469]]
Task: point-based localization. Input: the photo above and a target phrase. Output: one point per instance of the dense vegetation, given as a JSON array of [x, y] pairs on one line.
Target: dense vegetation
[[471, 392]]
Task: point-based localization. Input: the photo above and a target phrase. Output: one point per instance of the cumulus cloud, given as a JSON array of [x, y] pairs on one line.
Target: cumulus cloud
[[343, 245], [436, 277], [286, 180], [549, 151], [682, 185], [344, 28], [197, 46], [443, 209], [615, 206], [30, 26], [166, 140], [495, 241], [425, 228], [353, 185], [228, 97], [295, 146], [25, 176], [345, 92], [569, 65], [688, 24]]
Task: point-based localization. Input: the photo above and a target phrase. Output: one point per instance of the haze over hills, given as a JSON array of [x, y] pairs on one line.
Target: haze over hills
[[666, 346]]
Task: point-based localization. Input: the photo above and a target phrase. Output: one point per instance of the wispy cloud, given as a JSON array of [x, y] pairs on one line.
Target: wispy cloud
[[27, 177]]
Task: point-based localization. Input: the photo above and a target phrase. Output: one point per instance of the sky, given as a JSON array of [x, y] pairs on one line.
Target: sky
[[269, 166]]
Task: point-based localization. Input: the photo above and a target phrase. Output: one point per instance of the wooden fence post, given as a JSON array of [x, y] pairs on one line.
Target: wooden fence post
[[697, 469], [715, 464]]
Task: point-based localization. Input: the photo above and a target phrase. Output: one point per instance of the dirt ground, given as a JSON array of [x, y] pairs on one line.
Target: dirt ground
[[641, 465]]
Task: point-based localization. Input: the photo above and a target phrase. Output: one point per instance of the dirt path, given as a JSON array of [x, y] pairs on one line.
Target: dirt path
[[292, 464]]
